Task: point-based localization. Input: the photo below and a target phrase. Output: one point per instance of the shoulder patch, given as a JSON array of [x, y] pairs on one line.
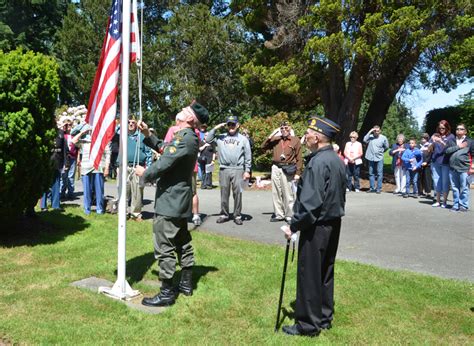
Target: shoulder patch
[[171, 149]]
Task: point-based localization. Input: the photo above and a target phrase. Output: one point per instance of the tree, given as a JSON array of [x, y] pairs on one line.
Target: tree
[[30, 85], [198, 55], [78, 48], [190, 51], [30, 24], [461, 113], [333, 51], [400, 119]]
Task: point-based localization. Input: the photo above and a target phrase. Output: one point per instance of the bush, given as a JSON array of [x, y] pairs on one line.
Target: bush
[[29, 86], [260, 128]]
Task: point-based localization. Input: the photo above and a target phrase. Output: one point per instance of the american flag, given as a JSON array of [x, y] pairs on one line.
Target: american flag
[[102, 106]]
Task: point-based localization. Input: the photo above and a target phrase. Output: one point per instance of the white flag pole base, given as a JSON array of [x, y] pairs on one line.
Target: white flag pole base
[[119, 292]]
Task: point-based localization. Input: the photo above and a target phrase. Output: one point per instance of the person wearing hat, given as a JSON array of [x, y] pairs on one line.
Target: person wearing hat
[[318, 209], [179, 119], [286, 168], [172, 174], [235, 157]]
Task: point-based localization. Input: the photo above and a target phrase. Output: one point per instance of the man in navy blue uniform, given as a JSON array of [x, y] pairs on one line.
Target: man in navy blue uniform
[[318, 209]]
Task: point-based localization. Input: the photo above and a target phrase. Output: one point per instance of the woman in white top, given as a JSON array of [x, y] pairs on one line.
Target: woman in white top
[[353, 158]]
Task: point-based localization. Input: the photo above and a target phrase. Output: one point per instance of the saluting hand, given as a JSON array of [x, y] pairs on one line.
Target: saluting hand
[[274, 133]]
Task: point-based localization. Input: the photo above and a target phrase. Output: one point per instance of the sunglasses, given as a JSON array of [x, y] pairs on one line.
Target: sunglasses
[[284, 128], [352, 137], [132, 122], [460, 129], [231, 124]]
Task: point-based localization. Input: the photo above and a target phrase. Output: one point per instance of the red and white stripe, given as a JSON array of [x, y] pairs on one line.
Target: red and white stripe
[[136, 54]]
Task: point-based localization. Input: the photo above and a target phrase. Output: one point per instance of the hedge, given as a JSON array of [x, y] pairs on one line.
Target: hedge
[[29, 85]]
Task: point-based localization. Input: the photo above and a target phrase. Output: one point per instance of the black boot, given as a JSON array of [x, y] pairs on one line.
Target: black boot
[[186, 284], [166, 297]]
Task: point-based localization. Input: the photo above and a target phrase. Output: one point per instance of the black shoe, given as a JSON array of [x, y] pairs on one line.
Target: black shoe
[[166, 297], [222, 219], [238, 221], [294, 330], [371, 191], [276, 219], [186, 284], [405, 195], [326, 326]]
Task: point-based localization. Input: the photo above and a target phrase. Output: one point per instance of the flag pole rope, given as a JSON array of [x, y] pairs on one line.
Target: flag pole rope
[[140, 82]]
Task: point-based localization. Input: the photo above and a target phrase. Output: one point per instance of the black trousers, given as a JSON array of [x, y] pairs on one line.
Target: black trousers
[[425, 180], [315, 279]]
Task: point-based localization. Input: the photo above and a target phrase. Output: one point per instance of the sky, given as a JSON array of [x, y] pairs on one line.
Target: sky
[[423, 100]]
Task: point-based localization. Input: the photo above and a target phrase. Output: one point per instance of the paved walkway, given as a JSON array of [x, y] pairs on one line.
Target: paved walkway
[[384, 230]]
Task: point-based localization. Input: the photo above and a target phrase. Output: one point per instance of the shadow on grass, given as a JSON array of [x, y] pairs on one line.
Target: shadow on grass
[[285, 313], [138, 266], [44, 228]]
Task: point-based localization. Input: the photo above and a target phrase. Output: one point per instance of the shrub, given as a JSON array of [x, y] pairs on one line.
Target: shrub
[[29, 86], [260, 128]]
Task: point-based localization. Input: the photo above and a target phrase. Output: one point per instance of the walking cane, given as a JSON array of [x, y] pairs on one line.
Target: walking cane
[[282, 283]]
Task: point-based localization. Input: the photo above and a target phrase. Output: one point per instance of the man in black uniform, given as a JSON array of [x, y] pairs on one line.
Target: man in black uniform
[[173, 201], [317, 215]]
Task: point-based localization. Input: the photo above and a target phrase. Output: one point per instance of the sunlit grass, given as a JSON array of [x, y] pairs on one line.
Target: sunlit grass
[[235, 298]]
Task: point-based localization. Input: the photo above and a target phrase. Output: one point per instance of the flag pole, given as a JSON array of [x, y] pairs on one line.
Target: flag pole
[[121, 289]]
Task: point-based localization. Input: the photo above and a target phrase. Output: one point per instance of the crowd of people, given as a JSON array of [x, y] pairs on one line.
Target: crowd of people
[[430, 168], [307, 196]]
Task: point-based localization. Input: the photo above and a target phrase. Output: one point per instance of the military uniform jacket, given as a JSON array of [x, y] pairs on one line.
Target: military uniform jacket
[[321, 194], [172, 173]]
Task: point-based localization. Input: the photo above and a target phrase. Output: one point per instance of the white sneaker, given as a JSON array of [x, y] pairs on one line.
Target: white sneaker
[[436, 205], [357, 190], [197, 220], [347, 190]]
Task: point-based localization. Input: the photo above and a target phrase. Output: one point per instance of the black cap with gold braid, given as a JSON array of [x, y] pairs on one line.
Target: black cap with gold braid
[[325, 126]]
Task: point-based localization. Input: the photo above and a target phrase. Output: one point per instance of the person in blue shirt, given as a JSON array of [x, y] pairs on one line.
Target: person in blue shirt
[[377, 145], [412, 160]]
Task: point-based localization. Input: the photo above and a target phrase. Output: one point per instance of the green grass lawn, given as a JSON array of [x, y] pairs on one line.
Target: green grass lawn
[[234, 302]]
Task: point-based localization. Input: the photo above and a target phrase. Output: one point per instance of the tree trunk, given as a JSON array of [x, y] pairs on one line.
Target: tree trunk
[[386, 89], [348, 113]]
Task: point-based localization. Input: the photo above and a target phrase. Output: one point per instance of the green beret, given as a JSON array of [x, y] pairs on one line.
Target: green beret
[[202, 114]]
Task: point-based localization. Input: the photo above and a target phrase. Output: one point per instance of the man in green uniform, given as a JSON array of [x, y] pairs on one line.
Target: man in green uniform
[[173, 202], [317, 213]]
